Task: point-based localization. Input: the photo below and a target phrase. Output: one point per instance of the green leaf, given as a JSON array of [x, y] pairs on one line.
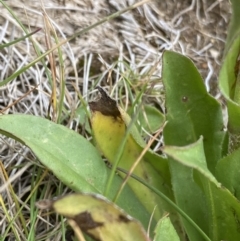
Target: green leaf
[[191, 113], [192, 156], [227, 84], [229, 77], [222, 212], [228, 172], [234, 26], [165, 231], [70, 157]]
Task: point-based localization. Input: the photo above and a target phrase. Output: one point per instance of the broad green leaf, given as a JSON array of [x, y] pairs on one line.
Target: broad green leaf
[[228, 172], [191, 113], [227, 84], [234, 26], [165, 231], [98, 218], [70, 157], [192, 156], [229, 77], [222, 212]]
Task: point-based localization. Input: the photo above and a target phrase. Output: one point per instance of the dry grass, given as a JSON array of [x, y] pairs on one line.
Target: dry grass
[[127, 49]]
